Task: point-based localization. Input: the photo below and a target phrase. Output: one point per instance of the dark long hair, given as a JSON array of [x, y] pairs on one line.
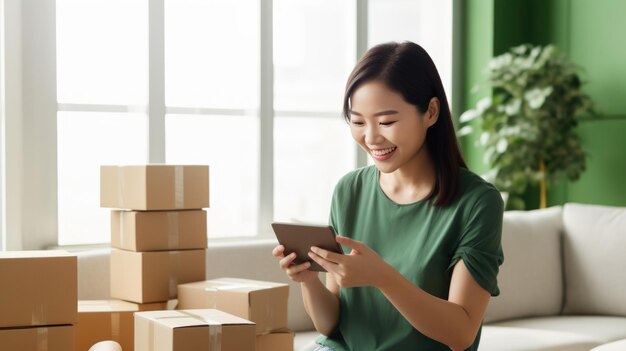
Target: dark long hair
[[408, 69]]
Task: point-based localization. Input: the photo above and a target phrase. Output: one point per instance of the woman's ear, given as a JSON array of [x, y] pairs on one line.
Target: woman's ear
[[432, 113]]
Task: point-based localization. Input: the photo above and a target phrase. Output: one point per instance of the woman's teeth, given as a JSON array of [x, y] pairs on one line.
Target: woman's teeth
[[383, 151]]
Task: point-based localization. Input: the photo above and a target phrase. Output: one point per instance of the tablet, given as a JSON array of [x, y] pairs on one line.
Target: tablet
[[299, 238]]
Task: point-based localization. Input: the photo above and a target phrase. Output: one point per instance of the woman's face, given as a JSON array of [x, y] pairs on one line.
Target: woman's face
[[387, 127]]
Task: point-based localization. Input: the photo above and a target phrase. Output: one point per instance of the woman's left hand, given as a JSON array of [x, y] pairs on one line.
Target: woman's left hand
[[361, 267]]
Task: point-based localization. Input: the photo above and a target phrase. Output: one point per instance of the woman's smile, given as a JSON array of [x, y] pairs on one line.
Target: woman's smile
[[383, 154]]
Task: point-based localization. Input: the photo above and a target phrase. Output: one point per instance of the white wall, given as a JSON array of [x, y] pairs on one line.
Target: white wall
[[30, 116]]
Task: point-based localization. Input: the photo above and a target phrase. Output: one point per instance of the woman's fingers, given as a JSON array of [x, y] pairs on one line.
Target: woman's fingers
[[278, 251], [286, 261], [294, 270]]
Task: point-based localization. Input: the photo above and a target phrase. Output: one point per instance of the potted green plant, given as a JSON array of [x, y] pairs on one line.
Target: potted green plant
[[528, 121]]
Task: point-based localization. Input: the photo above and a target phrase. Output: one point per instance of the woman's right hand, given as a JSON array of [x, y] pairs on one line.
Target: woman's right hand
[[298, 273]]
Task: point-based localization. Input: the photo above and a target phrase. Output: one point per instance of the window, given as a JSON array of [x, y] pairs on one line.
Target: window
[[212, 99], [252, 88], [102, 95], [314, 51]]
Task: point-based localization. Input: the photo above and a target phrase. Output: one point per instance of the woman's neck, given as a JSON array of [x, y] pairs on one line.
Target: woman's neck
[[413, 180]]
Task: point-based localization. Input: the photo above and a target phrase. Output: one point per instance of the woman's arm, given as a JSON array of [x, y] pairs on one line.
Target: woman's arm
[[322, 304], [453, 322]]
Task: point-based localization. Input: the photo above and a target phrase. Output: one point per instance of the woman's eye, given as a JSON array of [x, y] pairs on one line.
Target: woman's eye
[[387, 123], [357, 123]]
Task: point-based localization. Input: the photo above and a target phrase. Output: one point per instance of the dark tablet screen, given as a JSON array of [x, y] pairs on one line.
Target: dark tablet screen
[[299, 238]]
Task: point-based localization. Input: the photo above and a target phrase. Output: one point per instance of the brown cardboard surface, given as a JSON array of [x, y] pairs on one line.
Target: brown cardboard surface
[[46, 338], [100, 320], [145, 277], [264, 303], [37, 288], [154, 187], [192, 330], [158, 230], [280, 340]]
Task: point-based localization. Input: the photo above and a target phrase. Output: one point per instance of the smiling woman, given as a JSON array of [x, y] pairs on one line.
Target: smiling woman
[[421, 233], [400, 86]]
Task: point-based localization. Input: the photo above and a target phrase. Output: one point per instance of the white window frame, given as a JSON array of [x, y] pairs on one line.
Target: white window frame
[[29, 106], [2, 136], [157, 110]]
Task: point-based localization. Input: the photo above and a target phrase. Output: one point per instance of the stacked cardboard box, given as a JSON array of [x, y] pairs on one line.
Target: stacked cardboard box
[[264, 303], [37, 300], [158, 229], [198, 330]]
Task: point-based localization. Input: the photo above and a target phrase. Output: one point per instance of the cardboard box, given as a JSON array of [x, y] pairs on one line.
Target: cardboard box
[[280, 340], [264, 303], [192, 330], [105, 320], [37, 288], [47, 338], [158, 230], [145, 277], [100, 320], [154, 187]]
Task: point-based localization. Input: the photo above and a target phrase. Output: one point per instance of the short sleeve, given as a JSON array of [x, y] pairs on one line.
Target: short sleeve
[[334, 212], [480, 243]]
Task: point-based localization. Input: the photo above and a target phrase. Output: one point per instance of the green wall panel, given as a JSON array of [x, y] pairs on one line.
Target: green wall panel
[[478, 49], [597, 43], [604, 181]]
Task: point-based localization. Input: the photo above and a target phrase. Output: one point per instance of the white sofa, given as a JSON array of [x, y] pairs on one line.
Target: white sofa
[[563, 281]]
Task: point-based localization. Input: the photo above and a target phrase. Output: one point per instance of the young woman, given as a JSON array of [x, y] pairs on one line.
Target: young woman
[[420, 232]]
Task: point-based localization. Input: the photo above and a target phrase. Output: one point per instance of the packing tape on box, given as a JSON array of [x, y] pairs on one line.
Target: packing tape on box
[[122, 236], [215, 336], [172, 230], [267, 315], [215, 330], [120, 187], [115, 326], [38, 315], [179, 190], [174, 273], [151, 335], [42, 339]]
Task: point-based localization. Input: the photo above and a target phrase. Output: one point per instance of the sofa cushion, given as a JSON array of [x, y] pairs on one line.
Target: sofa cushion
[[599, 329], [498, 338], [595, 264], [530, 278], [305, 341], [619, 345]]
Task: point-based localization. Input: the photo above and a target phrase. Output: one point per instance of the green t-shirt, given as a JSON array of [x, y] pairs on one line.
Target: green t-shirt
[[422, 242]]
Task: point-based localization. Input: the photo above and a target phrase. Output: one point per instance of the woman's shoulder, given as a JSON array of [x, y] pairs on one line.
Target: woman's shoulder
[[357, 178], [473, 187]]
